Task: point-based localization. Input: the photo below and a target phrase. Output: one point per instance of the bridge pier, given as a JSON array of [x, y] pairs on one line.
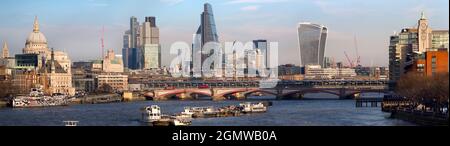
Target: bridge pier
[[218, 98], [240, 96], [185, 96]]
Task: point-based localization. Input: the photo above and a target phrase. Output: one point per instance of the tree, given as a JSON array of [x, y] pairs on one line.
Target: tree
[[432, 91]]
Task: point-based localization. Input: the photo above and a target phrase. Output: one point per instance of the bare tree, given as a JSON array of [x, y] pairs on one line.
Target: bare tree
[[433, 91]]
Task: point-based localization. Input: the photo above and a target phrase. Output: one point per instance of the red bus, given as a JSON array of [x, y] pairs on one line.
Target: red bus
[[203, 86]]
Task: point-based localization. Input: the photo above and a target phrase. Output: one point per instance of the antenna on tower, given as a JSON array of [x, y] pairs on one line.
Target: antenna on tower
[[102, 41]]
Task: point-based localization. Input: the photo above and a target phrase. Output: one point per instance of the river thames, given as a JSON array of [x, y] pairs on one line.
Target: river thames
[[318, 112]]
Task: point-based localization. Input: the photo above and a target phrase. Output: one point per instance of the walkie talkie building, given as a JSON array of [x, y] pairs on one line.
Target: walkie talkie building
[[312, 41]]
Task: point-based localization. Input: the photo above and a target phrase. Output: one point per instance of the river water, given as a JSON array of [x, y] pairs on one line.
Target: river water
[[282, 113]]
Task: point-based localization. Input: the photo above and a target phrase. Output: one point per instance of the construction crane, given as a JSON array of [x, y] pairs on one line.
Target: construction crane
[[358, 58], [102, 41], [350, 62]]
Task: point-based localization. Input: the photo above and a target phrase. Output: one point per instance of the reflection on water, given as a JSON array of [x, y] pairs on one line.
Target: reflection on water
[[282, 113]]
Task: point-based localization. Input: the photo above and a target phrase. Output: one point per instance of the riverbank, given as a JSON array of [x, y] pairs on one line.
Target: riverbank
[[404, 109], [421, 118], [97, 99], [3, 104]]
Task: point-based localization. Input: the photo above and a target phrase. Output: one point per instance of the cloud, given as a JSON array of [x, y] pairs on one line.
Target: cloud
[[250, 8], [171, 2]]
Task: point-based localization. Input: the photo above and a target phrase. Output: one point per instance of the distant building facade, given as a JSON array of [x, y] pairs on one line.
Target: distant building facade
[[112, 81], [432, 62], [408, 50], [317, 72], [112, 62]]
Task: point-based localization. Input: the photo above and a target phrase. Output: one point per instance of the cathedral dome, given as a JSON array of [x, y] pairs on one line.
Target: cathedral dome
[[36, 37], [36, 42]]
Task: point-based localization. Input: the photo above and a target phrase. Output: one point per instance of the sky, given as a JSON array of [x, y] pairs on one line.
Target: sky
[[75, 26]]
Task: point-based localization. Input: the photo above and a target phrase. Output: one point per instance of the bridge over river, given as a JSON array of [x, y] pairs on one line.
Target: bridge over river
[[221, 90]]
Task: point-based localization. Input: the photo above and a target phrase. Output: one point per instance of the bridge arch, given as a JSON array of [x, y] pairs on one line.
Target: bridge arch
[[231, 92], [246, 94], [190, 92], [352, 93], [305, 91]]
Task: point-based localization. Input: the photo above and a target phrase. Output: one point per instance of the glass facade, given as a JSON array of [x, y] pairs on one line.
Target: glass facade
[[152, 55], [150, 47], [134, 58], [312, 41], [208, 26], [134, 28], [439, 39], [206, 33], [263, 47]]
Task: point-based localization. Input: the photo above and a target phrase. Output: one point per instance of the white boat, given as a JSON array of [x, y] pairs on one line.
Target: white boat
[[180, 121], [253, 108], [152, 114], [204, 112], [70, 123], [36, 98], [187, 113]]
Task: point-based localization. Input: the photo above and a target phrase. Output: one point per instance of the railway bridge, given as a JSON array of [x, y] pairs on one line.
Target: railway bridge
[[242, 90]]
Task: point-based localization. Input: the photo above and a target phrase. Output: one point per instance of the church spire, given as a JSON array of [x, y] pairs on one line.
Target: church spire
[[52, 62], [5, 51], [36, 24], [422, 16]]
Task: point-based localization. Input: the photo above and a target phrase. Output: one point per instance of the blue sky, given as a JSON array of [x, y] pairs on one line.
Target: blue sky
[[74, 25]]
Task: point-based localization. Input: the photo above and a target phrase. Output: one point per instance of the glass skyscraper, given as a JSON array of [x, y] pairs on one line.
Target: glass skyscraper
[[150, 44], [263, 47], [312, 40], [206, 33], [208, 25], [134, 28]]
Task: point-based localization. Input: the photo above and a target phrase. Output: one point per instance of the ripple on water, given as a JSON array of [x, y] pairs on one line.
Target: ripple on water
[[282, 113]]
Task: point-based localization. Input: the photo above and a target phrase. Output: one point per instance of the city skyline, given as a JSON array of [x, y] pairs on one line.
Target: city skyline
[[83, 32]]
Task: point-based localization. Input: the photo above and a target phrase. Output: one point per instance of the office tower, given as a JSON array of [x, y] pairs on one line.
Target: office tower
[[133, 58], [312, 41], [150, 44], [196, 55], [264, 50], [208, 25], [134, 28], [206, 33], [126, 47]]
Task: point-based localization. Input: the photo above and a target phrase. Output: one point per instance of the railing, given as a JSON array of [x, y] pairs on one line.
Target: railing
[[381, 84]]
